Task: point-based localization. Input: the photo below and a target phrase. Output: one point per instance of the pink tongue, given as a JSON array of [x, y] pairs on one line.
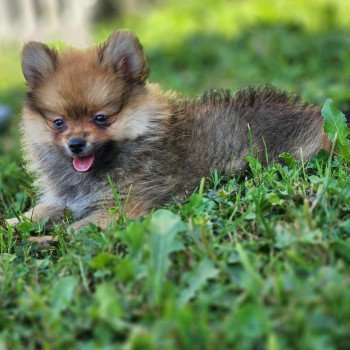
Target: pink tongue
[[83, 163]]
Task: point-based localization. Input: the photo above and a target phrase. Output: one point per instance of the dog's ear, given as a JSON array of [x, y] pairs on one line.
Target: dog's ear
[[38, 61], [123, 53]]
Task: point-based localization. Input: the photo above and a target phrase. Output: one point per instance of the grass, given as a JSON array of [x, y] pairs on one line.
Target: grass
[[256, 261]]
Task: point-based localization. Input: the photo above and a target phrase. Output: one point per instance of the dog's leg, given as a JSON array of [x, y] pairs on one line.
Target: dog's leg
[[44, 241], [38, 213], [100, 218]]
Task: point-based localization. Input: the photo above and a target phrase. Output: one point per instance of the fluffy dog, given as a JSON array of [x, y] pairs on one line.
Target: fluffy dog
[[91, 113]]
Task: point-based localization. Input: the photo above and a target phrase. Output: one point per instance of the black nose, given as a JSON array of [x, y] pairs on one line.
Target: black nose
[[76, 145]]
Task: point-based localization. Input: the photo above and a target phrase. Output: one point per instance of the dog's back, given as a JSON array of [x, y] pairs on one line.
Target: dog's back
[[221, 128], [217, 132]]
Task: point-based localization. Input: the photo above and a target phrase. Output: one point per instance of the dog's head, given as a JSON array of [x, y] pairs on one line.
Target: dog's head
[[79, 100]]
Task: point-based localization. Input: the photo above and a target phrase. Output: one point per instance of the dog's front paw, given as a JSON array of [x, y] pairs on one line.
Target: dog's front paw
[[99, 219]]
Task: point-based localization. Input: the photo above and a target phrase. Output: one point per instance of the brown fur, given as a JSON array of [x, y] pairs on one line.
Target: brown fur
[[156, 146]]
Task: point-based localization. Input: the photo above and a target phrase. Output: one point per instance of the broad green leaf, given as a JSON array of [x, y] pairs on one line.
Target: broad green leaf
[[107, 306], [133, 236], [197, 279], [62, 293], [334, 122], [163, 226], [344, 151], [335, 127], [254, 164], [164, 222], [288, 159], [103, 260]]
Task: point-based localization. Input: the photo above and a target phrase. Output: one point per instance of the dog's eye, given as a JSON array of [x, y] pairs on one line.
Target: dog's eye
[[100, 119], [59, 123]]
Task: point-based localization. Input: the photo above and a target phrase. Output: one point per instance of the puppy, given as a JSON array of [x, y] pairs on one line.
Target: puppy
[[90, 114]]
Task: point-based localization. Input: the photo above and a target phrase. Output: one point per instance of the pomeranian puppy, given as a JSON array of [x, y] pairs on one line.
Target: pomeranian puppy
[[89, 114]]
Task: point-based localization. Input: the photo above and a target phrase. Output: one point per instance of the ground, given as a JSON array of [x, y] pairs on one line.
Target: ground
[[257, 261]]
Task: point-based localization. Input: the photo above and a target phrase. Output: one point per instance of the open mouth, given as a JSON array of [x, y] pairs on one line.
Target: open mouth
[[83, 164]]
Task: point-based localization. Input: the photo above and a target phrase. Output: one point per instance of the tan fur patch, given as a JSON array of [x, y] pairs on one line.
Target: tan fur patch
[[138, 114], [79, 81]]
